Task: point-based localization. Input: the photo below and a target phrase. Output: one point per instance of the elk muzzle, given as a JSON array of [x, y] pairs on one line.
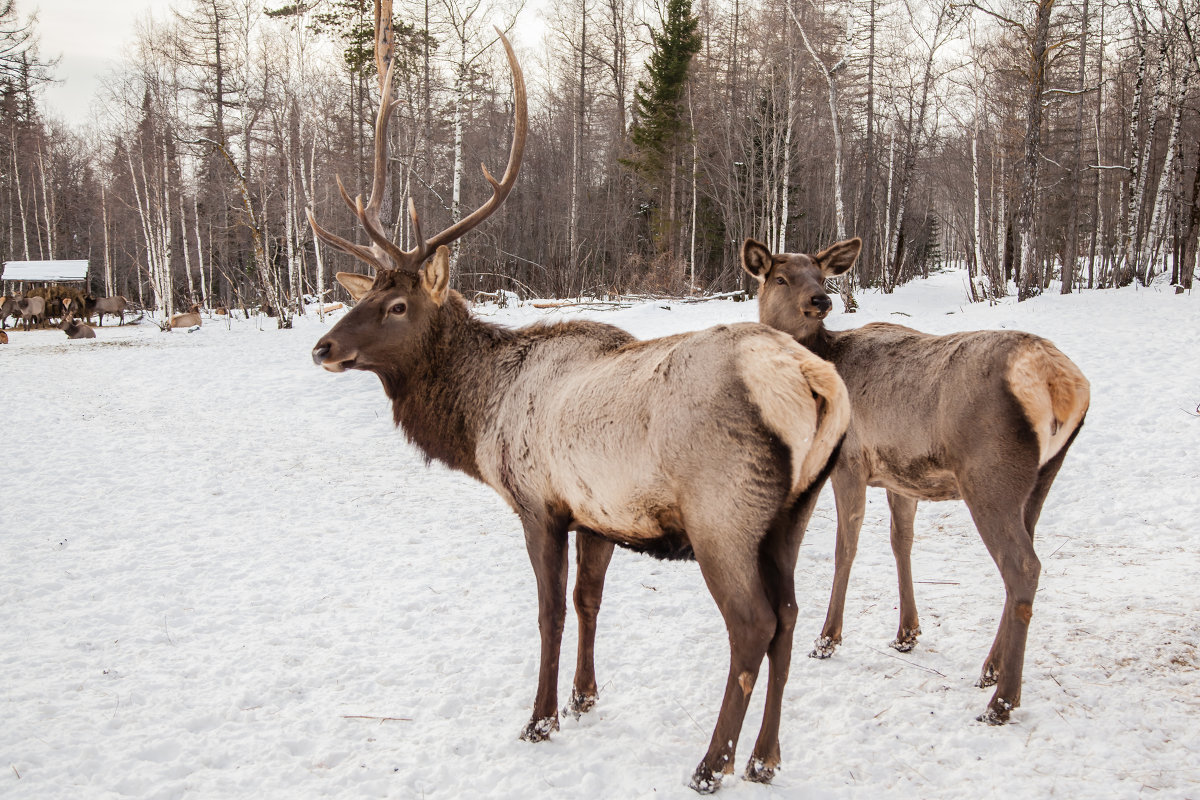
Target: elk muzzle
[[333, 357], [819, 306]]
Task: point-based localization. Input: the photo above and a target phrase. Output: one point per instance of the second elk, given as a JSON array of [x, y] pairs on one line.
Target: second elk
[[985, 416], [710, 445]]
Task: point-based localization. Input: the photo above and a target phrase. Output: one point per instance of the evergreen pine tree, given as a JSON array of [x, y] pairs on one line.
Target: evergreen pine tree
[[658, 100], [657, 129]]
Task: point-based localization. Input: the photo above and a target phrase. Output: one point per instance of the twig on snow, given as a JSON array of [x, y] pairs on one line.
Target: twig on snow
[[381, 719], [911, 663], [14, 766], [689, 716]]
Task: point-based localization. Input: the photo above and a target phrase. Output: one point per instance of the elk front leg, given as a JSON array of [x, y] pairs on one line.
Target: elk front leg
[[904, 511], [593, 554], [546, 541], [850, 496]]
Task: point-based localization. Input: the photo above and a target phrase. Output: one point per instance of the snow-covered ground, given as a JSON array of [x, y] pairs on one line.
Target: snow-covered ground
[[223, 574]]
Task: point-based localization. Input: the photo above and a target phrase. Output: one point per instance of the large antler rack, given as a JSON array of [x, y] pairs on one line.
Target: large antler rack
[[383, 254]]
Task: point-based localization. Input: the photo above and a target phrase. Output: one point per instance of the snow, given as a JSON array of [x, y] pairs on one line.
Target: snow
[[224, 574]]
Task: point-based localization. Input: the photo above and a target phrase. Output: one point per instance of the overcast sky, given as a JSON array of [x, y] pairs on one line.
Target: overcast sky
[[90, 36]]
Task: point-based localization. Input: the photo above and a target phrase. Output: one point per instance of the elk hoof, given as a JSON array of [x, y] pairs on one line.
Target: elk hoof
[[997, 712], [759, 771], [824, 647], [906, 639], [988, 677], [580, 703], [704, 780], [539, 730]]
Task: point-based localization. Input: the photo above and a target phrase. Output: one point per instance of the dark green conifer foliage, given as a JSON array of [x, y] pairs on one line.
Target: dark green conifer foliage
[[658, 100]]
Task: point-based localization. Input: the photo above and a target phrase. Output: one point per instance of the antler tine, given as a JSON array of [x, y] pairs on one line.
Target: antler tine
[[501, 188], [379, 177], [420, 252], [357, 250], [374, 229], [345, 195]]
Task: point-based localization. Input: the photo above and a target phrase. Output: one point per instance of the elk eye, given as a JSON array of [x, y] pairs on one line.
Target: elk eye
[[781, 281], [398, 308]]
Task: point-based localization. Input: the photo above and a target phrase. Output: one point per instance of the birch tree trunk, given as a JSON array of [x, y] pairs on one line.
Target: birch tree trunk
[[577, 120], [164, 232], [1030, 275], [204, 284], [1125, 266], [460, 103], [142, 201], [187, 259], [109, 289], [47, 208], [980, 267], [1071, 255], [786, 178], [831, 74], [20, 198], [1166, 181]]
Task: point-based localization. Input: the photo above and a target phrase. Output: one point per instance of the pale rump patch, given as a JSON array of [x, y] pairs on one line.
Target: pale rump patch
[[746, 681], [809, 412], [1052, 391]]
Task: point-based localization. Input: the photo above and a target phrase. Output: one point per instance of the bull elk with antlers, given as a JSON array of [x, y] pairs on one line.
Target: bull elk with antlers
[[985, 416], [710, 445]]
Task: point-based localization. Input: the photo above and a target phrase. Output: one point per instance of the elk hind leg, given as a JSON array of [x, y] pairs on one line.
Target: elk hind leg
[[737, 587], [593, 554], [1033, 510], [778, 566], [1045, 479], [1002, 527], [904, 511]]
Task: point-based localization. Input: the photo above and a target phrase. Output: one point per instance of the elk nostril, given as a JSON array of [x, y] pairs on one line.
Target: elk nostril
[[822, 302], [320, 353]]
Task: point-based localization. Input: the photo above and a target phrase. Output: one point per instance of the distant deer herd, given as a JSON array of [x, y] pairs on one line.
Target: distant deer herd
[[37, 310], [710, 445]]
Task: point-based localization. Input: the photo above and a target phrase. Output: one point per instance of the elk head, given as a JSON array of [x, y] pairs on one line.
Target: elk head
[[792, 296], [398, 308]]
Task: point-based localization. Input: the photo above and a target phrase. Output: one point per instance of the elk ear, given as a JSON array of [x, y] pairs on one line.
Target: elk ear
[[435, 275], [838, 258], [357, 285], [756, 259]]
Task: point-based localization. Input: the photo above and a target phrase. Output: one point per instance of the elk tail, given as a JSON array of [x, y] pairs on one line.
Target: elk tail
[[801, 398], [1051, 390]]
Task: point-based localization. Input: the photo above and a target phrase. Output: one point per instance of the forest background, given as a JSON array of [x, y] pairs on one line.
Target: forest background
[[1043, 143]]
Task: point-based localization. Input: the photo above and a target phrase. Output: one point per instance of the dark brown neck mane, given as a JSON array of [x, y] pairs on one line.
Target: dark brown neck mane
[[441, 403]]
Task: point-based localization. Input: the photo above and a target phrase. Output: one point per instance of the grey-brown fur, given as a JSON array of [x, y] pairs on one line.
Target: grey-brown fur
[[76, 329], [32, 310], [985, 416], [715, 442], [188, 319], [8, 308], [105, 305]]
